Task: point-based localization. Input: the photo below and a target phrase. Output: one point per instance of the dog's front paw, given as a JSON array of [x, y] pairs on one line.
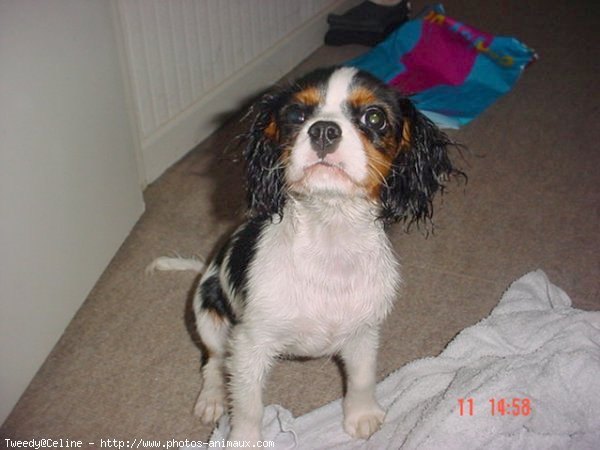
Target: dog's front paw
[[210, 405], [362, 421]]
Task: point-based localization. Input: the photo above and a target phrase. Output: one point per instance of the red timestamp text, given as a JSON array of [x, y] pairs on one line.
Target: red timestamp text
[[515, 406]]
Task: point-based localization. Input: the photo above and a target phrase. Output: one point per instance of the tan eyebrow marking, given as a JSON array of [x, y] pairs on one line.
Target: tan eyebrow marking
[[310, 96], [361, 96]]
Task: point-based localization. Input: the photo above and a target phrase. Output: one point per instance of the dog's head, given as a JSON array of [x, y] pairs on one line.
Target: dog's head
[[341, 132]]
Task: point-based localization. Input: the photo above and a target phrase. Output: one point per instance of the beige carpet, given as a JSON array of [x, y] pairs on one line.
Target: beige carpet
[[126, 366]]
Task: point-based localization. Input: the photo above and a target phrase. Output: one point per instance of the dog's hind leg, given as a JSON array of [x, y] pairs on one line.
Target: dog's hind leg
[[211, 401], [213, 327]]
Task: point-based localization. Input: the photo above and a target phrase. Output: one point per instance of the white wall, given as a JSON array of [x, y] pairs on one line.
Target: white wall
[[69, 190]]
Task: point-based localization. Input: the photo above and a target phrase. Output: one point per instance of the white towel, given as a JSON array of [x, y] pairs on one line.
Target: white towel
[[534, 347]]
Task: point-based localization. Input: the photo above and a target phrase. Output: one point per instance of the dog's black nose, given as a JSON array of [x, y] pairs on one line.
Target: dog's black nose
[[324, 137]]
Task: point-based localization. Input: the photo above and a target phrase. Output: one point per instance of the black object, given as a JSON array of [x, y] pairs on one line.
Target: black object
[[366, 23]]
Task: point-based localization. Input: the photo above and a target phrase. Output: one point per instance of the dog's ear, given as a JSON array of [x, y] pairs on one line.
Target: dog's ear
[[264, 169], [420, 169]]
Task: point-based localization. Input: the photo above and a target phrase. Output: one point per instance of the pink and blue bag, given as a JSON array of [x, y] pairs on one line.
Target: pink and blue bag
[[451, 71]]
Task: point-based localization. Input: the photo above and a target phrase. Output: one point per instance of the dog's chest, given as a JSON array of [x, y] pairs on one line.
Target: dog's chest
[[320, 281]]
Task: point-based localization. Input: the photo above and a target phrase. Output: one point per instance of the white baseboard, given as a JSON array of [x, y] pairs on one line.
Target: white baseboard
[[180, 135]]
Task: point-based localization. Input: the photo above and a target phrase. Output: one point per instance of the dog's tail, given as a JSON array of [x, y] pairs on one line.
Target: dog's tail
[[176, 263]]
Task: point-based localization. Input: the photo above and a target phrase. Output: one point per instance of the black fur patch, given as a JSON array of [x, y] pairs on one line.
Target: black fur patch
[[214, 299], [242, 253]]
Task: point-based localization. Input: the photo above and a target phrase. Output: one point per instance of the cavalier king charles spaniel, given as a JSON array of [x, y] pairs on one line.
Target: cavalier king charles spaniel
[[331, 160]]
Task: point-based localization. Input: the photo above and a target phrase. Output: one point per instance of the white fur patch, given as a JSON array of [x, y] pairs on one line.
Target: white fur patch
[[335, 274], [338, 88]]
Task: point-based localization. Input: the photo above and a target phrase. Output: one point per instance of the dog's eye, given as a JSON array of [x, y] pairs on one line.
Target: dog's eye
[[294, 114], [374, 118]]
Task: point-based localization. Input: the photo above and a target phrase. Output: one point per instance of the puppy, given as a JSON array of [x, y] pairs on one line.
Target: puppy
[[330, 161]]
